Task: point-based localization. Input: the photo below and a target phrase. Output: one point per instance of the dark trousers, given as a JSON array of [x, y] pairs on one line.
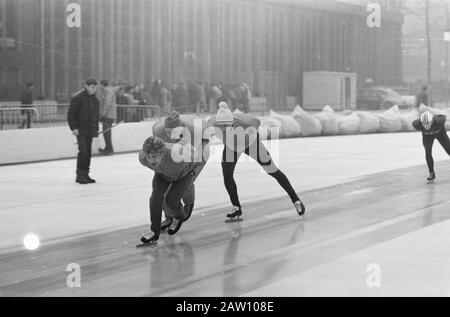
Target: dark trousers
[[173, 199], [84, 153], [107, 124], [258, 152], [26, 119], [428, 142]]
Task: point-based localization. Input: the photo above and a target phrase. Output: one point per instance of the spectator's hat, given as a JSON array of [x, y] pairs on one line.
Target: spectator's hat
[[173, 120], [224, 115]]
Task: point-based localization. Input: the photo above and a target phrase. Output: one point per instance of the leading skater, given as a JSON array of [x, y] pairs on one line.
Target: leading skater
[[230, 127], [172, 129], [432, 128], [171, 180]]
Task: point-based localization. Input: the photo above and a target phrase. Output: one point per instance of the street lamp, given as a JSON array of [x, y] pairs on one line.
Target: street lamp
[[446, 40]]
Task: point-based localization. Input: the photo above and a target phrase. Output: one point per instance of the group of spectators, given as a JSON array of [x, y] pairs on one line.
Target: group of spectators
[[193, 97]]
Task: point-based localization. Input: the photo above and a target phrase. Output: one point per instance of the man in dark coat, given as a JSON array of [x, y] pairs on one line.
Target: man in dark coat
[[83, 118], [27, 103]]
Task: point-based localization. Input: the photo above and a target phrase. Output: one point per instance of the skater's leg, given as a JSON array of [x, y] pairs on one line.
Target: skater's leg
[[167, 212], [228, 167], [156, 199], [189, 200], [428, 145], [259, 153], [174, 202], [189, 195], [176, 192]]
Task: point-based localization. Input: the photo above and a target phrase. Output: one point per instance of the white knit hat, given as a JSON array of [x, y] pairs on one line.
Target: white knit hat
[[426, 118], [224, 115]]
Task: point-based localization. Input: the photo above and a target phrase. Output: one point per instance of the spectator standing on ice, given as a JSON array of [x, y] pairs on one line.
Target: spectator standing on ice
[[83, 118], [108, 114]]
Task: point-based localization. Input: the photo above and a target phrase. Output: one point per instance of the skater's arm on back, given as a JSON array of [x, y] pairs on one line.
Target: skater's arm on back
[[440, 119], [182, 148]]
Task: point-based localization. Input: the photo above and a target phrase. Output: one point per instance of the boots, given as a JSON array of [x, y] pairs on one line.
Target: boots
[[81, 178], [91, 180]]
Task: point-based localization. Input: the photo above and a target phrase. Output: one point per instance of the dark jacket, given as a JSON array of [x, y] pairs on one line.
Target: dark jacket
[[27, 97], [83, 113], [437, 127]]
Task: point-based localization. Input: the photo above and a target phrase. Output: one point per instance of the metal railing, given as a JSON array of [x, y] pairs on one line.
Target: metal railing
[[137, 113], [17, 117], [55, 115]]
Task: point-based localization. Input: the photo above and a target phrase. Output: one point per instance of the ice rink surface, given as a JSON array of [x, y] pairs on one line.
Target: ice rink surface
[[373, 226]]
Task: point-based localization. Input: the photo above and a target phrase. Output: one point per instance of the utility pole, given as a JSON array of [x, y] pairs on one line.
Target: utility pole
[[42, 35], [427, 25]]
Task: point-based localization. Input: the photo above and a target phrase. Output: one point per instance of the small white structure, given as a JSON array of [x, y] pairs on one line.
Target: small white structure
[[338, 90]]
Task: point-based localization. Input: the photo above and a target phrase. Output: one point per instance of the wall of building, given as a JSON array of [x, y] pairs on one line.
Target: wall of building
[[265, 43]]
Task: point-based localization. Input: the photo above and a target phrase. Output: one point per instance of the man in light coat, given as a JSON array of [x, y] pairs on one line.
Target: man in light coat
[[108, 114]]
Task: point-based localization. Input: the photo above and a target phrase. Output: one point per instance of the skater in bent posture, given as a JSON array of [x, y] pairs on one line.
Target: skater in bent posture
[[172, 129], [178, 175], [432, 128], [239, 134]]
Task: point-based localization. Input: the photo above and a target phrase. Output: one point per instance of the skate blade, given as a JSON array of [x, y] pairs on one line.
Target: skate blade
[[430, 182], [232, 220], [147, 245]]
